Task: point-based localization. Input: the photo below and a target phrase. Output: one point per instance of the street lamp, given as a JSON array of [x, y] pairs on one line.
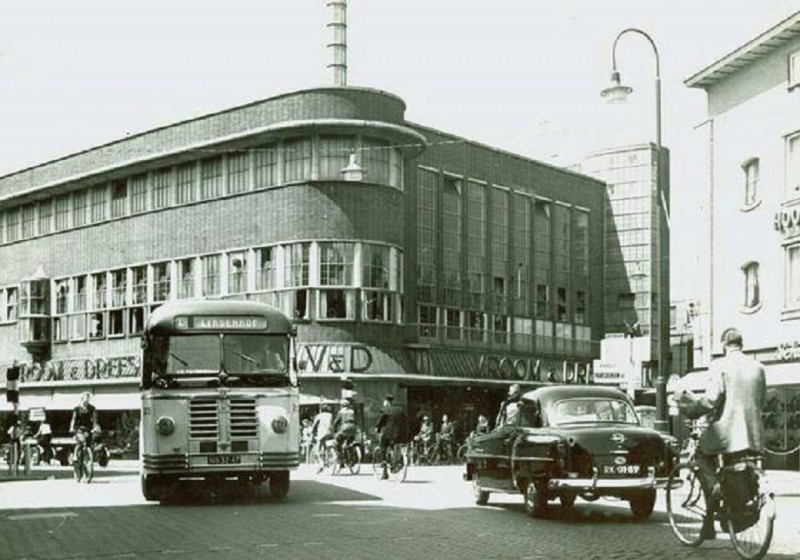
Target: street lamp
[[615, 93]]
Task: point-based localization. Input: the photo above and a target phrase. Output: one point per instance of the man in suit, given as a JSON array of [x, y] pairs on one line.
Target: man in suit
[[733, 402], [392, 427]]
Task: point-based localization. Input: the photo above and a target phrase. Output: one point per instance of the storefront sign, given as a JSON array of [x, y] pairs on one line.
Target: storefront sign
[[334, 358], [80, 369], [788, 351], [787, 221]]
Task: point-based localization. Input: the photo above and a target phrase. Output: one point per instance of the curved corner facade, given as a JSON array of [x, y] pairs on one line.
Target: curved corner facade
[[412, 261]]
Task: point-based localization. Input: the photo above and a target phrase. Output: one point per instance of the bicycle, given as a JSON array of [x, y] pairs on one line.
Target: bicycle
[[396, 463], [350, 457], [83, 457], [746, 504]]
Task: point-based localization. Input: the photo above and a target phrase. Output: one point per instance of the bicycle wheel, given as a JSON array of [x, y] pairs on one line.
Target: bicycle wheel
[[353, 459], [398, 467], [686, 504], [377, 463], [77, 464], [753, 542], [88, 465], [461, 455]]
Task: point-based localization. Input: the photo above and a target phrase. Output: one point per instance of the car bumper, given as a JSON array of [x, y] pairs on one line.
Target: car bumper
[[596, 483]]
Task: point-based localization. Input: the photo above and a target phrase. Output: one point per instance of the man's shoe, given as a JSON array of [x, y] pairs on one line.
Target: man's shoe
[[708, 533]]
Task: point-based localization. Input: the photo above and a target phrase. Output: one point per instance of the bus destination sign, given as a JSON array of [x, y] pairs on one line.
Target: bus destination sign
[[220, 323]]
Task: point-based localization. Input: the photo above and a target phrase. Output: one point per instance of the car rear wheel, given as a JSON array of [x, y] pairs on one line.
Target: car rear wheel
[[535, 499], [481, 495], [642, 503]]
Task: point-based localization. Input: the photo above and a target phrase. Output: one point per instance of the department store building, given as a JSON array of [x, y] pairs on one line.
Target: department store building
[[412, 261]]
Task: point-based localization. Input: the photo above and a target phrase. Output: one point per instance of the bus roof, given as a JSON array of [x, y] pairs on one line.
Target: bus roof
[[162, 319]]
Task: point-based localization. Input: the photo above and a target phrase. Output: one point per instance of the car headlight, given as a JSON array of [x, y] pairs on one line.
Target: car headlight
[[280, 425], [165, 425]]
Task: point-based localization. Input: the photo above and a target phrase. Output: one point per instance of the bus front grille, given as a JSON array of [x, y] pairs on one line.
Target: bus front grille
[[244, 421], [203, 418]]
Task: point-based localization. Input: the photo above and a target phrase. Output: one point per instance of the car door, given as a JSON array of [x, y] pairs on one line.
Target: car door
[[491, 453]]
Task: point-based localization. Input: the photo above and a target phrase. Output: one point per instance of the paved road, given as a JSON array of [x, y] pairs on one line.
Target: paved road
[[429, 517]]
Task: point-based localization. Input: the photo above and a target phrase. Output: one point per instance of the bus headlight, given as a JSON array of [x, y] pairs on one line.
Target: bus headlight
[[280, 425], [165, 425]]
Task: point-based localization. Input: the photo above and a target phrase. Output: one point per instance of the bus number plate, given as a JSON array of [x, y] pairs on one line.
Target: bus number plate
[[224, 459]]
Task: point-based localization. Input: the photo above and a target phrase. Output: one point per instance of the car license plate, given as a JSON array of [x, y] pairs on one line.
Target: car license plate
[[621, 469], [224, 459]]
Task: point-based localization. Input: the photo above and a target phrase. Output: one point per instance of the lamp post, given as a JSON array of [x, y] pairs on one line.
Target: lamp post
[[617, 92]]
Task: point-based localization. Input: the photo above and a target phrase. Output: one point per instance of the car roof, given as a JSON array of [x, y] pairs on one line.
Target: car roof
[[554, 392]]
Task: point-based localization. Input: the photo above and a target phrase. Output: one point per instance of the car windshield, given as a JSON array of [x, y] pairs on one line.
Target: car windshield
[[235, 354], [591, 410]]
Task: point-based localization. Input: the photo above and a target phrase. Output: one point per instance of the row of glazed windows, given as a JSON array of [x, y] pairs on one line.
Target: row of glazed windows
[[751, 181], [560, 254], [457, 326], [233, 172], [324, 280], [751, 281]]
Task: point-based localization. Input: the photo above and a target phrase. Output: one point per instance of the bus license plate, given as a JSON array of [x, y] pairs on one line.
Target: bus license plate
[[224, 459]]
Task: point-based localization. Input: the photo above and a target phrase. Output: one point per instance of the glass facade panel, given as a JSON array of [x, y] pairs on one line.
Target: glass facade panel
[[297, 159], [334, 154], [238, 172], [266, 166], [426, 235], [476, 247]]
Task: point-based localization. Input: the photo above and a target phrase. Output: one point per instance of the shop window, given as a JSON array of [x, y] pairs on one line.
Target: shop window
[[751, 175], [79, 210], [237, 273], [336, 264], [119, 198], [162, 283], [98, 203], [135, 320], [210, 178], [426, 321], [116, 322], [452, 319], [477, 326], [97, 325], [266, 267], [543, 301], [500, 329], [186, 275], [752, 296], [266, 166], [211, 275], [238, 172], [297, 159], [28, 221], [335, 304], [77, 327], [377, 306], [186, 183], [45, 209], [162, 188]]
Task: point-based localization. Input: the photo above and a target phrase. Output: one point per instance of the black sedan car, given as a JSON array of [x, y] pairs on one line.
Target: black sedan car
[[569, 441]]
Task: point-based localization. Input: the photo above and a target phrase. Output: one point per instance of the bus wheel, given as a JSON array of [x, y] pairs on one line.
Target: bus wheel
[[279, 484]]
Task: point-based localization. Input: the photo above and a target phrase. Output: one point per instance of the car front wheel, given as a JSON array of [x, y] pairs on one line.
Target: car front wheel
[[642, 503], [535, 499], [481, 495]]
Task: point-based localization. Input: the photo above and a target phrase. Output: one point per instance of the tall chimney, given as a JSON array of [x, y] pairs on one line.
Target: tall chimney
[[338, 44]]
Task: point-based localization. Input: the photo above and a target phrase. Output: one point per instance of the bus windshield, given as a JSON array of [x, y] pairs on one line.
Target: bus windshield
[[234, 354]]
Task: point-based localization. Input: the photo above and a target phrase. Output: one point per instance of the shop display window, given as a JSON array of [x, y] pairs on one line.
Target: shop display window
[[782, 426]]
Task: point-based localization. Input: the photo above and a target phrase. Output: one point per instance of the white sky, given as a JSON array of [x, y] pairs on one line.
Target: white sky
[[522, 75]]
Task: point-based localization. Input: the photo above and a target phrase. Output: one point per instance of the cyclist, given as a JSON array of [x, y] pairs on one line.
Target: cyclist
[[344, 427], [425, 437], [392, 429], [84, 419], [447, 434], [322, 429], [733, 403]]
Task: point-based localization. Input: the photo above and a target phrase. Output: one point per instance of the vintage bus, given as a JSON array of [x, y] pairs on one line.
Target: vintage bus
[[220, 397]]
